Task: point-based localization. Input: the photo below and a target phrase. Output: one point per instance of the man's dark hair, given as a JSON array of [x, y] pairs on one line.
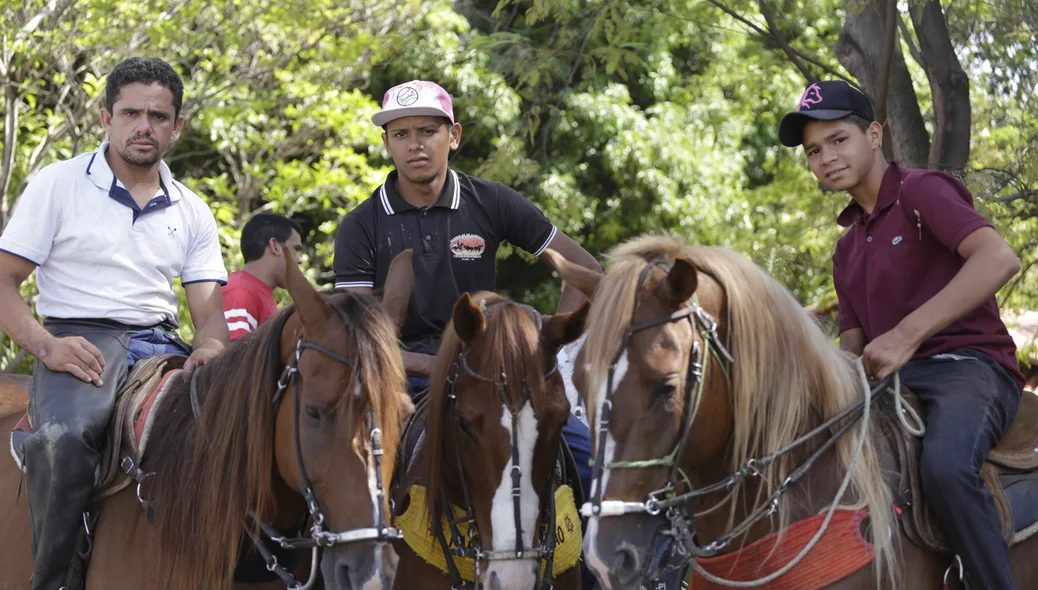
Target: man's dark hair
[[260, 228], [860, 121], [145, 70]]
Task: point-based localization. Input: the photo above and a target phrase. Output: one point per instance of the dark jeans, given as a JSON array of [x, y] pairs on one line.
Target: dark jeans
[[62, 457], [970, 403]]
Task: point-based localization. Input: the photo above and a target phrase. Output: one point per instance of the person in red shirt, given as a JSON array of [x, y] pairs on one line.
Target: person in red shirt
[[916, 275], [248, 296]]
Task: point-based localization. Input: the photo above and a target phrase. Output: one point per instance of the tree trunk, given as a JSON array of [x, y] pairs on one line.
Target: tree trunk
[[7, 155], [949, 85], [860, 50]]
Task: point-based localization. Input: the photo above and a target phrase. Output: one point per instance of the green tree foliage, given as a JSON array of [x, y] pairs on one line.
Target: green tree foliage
[[617, 117]]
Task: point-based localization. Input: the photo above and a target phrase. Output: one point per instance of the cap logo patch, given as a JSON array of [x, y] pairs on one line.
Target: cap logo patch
[[812, 96], [406, 96], [468, 246]]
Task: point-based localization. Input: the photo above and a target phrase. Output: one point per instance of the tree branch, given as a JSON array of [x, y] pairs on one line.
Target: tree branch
[[766, 34], [776, 34], [907, 36], [890, 29], [7, 158]]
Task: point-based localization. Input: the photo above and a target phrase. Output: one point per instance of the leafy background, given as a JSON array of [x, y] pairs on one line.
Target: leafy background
[[616, 117]]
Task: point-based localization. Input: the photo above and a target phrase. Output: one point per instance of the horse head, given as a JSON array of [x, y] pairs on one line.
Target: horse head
[[337, 428], [647, 374], [497, 408]]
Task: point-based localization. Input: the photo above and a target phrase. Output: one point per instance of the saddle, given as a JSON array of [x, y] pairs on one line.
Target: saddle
[[1010, 474], [126, 437]]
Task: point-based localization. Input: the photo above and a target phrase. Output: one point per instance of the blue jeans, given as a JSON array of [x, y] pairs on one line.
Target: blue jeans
[[970, 402], [154, 341]]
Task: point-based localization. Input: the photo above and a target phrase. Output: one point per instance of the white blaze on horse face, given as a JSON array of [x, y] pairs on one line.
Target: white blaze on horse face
[[594, 560], [519, 574]]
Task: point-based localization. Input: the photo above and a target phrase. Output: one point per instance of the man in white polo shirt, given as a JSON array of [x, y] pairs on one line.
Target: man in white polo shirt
[[106, 232]]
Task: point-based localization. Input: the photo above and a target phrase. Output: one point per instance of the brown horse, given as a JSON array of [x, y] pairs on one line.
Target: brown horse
[[245, 441], [494, 422], [680, 402]]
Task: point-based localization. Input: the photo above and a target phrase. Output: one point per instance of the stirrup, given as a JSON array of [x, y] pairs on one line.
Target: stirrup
[[956, 564]]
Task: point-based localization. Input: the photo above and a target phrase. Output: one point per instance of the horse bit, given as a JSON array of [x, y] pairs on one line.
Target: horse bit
[[474, 550]]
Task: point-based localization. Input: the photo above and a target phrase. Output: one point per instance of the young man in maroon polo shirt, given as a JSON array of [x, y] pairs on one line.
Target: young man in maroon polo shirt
[[916, 274]]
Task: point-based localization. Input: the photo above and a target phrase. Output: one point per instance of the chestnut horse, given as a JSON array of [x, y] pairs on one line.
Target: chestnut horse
[[704, 378], [493, 430], [290, 423]]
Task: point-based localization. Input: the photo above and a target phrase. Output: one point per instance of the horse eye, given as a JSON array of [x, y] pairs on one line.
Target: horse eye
[[664, 389], [312, 411], [465, 428]]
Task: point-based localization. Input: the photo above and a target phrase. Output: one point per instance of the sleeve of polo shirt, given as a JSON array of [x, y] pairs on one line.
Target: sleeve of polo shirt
[[37, 216], [943, 206], [204, 262], [354, 263], [847, 319], [525, 225]]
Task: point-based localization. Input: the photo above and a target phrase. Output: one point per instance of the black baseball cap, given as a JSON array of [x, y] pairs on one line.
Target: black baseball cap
[[824, 101]]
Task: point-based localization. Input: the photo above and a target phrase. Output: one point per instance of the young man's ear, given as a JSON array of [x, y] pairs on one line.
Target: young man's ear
[[455, 131], [875, 134], [275, 246]]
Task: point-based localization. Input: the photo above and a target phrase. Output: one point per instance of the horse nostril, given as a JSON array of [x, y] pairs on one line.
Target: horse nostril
[[495, 582], [627, 565]]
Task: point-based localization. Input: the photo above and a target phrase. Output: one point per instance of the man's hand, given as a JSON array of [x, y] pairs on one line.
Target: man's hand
[[888, 353], [418, 364], [74, 355], [201, 355]]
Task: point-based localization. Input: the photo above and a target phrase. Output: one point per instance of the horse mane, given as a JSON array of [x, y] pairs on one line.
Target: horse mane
[[512, 343], [786, 373], [210, 472]]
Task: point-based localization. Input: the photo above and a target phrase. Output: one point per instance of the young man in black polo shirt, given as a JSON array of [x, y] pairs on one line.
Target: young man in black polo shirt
[[453, 222]]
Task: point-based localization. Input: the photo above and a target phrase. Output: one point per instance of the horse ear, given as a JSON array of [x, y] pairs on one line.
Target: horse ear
[[311, 307], [562, 328], [396, 293], [682, 281], [582, 279], [468, 318]]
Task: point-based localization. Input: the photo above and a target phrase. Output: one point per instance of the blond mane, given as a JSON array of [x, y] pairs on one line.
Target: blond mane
[[786, 370]]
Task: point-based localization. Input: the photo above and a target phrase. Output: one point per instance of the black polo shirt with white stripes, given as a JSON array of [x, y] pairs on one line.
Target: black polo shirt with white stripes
[[455, 243]]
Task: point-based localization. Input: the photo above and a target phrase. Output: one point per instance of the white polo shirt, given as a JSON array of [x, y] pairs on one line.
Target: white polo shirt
[[98, 255]]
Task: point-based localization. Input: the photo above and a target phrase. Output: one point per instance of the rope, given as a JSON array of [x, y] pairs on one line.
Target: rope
[[905, 411], [828, 517]]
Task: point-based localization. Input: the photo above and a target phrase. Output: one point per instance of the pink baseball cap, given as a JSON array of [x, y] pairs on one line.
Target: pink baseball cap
[[416, 98]]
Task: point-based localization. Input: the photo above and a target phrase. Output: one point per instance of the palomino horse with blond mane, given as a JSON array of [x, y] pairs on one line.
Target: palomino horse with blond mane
[[296, 422], [714, 396], [489, 466]]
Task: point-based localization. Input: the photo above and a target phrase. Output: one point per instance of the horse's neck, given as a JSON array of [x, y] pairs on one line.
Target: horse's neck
[[806, 498]]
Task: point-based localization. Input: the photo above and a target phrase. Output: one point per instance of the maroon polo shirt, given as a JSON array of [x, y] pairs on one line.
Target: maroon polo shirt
[[891, 262]]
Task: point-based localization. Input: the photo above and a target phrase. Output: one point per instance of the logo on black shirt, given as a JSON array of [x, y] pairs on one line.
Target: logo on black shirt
[[468, 246]]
